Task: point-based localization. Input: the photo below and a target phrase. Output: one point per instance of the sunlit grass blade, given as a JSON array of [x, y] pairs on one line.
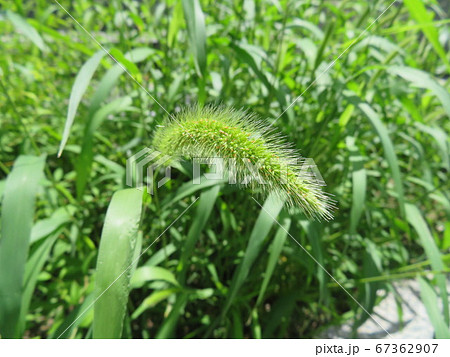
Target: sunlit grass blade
[[115, 255], [67, 39], [145, 274], [78, 89], [153, 299], [195, 21], [420, 14], [389, 152], [441, 140], [26, 29], [16, 222], [84, 160], [47, 226], [175, 23], [430, 301], [109, 80], [416, 220]]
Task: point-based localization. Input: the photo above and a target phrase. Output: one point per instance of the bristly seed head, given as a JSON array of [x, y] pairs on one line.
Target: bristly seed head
[[235, 134]]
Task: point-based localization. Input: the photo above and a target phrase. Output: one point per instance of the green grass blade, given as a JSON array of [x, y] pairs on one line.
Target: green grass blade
[[430, 301], [153, 299], [275, 251], [359, 184], [204, 209], [420, 14], [186, 190], [149, 273], [170, 322], [125, 62], [47, 226], [314, 233], [389, 152], [271, 208], [175, 23], [206, 204], [57, 36], [2, 188], [136, 253], [253, 60], [78, 89], [16, 223], [115, 255], [423, 79], [280, 313], [109, 80], [441, 140], [26, 29], [160, 255], [416, 220], [195, 21], [85, 159], [79, 316], [32, 269]]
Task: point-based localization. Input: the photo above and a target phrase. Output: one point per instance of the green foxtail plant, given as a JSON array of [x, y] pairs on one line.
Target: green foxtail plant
[[248, 146]]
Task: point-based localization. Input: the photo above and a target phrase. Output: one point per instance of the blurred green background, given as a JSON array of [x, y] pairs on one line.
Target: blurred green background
[[376, 124]]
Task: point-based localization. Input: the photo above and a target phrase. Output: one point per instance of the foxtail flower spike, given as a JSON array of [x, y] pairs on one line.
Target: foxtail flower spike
[[251, 147]]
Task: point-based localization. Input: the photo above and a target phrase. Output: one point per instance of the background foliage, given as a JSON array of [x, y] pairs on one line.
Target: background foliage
[[376, 124]]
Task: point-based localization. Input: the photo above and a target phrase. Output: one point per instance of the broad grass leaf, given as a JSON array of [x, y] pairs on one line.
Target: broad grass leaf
[[417, 221], [26, 29], [195, 21], [116, 251], [145, 274], [16, 223], [175, 23], [78, 89], [430, 301], [47, 226]]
